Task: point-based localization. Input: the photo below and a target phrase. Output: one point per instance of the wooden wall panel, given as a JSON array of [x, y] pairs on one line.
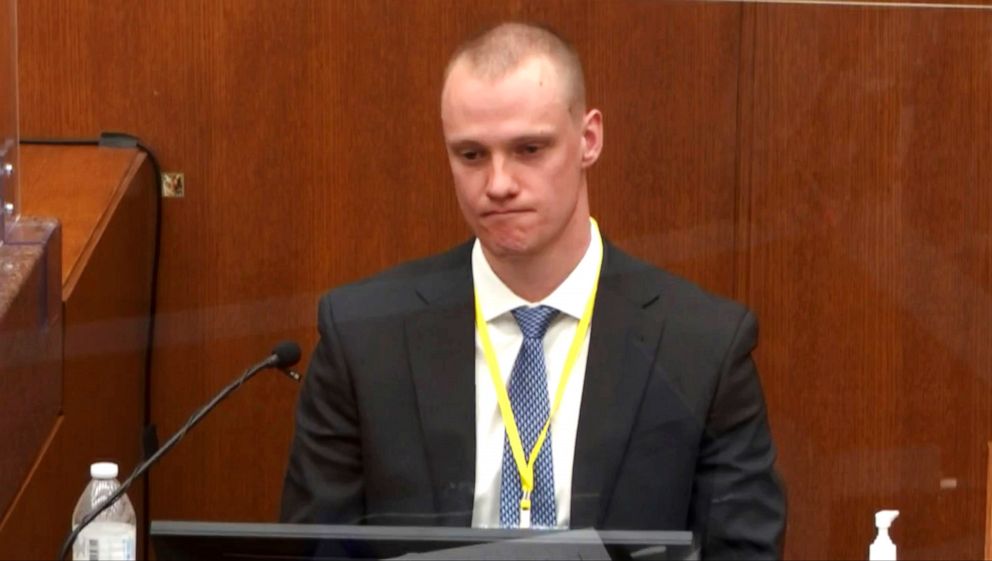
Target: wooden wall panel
[[106, 335], [8, 72], [8, 108], [869, 215], [666, 77], [822, 163], [107, 197], [30, 348], [310, 139]]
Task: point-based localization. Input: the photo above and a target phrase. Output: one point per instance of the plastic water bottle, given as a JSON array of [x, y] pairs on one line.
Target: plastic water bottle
[[113, 534]]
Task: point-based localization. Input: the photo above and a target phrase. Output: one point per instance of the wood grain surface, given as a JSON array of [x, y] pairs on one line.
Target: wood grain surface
[[30, 349], [819, 163], [101, 171], [103, 326], [869, 217], [8, 109], [310, 141]]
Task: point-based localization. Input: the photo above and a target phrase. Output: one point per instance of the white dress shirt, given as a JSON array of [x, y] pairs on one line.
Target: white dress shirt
[[496, 301]]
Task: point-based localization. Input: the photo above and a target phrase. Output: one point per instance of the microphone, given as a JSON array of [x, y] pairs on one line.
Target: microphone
[[283, 356]]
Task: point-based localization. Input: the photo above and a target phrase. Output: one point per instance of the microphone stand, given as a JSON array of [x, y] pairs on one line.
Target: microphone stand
[[269, 362]]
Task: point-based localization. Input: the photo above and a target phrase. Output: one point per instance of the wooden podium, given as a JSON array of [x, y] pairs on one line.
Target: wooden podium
[[74, 388]]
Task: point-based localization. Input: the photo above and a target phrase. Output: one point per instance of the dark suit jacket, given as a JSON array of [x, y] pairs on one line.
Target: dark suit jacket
[[672, 429]]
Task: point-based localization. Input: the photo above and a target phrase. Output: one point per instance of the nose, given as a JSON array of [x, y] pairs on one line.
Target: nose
[[502, 184]]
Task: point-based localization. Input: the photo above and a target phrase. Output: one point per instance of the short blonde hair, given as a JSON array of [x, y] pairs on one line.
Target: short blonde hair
[[496, 51]]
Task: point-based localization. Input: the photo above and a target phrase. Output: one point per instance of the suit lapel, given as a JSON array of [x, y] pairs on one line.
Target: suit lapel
[[621, 353], [442, 358], [622, 348]]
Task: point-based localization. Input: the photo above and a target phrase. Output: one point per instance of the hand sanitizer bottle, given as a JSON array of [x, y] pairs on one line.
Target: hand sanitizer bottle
[[882, 549]]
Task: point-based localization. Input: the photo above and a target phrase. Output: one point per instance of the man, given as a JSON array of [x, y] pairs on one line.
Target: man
[[428, 397]]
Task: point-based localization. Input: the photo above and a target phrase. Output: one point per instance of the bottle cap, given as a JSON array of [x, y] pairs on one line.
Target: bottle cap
[[103, 470]]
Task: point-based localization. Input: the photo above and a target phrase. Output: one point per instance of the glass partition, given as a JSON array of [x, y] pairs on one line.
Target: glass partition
[[825, 164], [9, 199]]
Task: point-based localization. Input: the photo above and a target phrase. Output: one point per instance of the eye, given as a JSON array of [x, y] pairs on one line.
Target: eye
[[471, 155], [533, 148]]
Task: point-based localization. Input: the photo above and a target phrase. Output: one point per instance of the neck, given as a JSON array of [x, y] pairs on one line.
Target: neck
[[534, 277]]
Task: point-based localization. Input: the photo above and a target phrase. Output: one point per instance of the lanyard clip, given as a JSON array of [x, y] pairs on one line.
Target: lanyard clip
[[525, 510]]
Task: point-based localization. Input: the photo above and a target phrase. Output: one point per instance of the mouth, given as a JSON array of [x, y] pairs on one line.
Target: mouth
[[503, 212]]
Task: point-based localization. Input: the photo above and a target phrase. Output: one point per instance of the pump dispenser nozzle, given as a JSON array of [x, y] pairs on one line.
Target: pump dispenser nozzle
[[883, 549], [884, 518]]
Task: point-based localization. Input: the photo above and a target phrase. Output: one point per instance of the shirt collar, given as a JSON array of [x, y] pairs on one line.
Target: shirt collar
[[496, 299]]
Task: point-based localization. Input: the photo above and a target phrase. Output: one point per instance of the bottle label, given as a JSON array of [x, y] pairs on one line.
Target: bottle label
[[105, 540]]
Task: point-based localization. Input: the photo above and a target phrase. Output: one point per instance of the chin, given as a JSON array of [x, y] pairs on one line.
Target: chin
[[506, 248]]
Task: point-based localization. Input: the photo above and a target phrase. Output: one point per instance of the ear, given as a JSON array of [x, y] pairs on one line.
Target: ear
[[592, 137]]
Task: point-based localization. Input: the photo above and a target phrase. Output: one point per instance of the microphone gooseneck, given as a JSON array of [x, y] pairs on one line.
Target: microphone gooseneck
[[284, 355]]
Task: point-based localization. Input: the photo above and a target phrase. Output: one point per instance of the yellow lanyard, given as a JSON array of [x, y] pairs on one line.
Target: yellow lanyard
[[524, 465]]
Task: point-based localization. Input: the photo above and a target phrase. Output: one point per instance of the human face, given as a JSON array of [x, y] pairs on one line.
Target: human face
[[518, 157]]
